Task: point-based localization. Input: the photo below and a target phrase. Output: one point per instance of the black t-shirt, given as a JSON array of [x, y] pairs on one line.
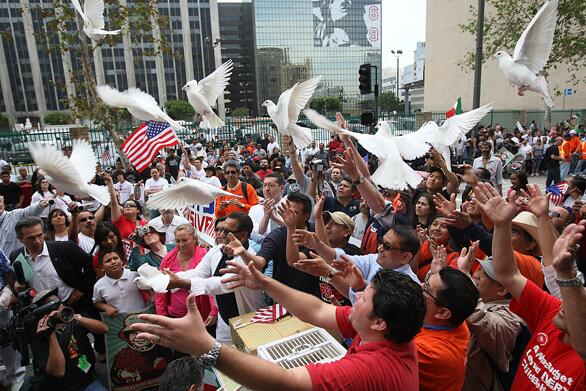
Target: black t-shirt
[[333, 205], [549, 162], [274, 248], [79, 360], [11, 193], [173, 165]]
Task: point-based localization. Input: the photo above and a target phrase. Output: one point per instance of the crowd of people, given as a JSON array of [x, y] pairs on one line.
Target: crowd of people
[[430, 289]]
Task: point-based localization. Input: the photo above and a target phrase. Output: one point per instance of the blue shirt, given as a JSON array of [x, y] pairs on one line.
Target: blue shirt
[[4, 268]]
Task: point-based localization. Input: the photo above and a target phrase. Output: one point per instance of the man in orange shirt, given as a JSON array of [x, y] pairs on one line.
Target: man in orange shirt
[[566, 154], [442, 343], [575, 149], [248, 197]]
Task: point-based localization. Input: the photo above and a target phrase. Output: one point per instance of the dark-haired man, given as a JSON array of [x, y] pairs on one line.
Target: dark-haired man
[[265, 216], [492, 164], [450, 298], [278, 246], [382, 322], [183, 374]]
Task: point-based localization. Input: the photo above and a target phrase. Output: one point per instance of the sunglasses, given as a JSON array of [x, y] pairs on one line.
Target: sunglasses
[[556, 215], [221, 230], [84, 219], [231, 172], [388, 247]]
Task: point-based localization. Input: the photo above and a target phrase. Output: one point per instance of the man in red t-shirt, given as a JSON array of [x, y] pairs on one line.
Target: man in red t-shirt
[[382, 322], [554, 358]]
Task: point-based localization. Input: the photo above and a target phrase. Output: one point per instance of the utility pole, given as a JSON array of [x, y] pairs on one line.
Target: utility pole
[[479, 55], [397, 54]]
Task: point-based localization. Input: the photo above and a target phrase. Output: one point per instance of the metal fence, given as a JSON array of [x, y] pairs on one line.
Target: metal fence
[[14, 145]]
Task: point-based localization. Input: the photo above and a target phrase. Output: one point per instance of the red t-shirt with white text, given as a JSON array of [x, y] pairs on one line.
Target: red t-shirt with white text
[[383, 365], [547, 363]]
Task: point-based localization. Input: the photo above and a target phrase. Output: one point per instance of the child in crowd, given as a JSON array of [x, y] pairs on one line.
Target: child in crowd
[[116, 292]]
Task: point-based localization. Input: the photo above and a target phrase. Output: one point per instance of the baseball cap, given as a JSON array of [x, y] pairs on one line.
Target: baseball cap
[[340, 218], [488, 267], [573, 131]]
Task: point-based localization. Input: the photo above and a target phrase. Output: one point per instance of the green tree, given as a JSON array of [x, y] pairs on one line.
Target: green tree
[[388, 102], [367, 104], [57, 118], [3, 122], [240, 112], [325, 104], [180, 110]]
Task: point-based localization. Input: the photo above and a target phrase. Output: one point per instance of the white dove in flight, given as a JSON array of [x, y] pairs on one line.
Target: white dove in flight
[[531, 53], [286, 112], [203, 95], [93, 19], [70, 175], [393, 172], [454, 128], [186, 192], [138, 103]]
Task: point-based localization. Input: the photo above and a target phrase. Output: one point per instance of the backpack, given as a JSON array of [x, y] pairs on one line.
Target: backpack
[[243, 188]]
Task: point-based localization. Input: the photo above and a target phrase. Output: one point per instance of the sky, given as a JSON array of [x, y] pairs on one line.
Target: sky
[[403, 26]]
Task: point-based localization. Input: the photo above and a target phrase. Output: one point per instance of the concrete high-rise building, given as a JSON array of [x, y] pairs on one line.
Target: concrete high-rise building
[[412, 81], [445, 80], [296, 40], [237, 34], [35, 77]]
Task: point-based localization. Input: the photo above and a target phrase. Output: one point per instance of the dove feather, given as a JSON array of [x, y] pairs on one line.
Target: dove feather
[[534, 46], [83, 159], [212, 86], [79, 10], [94, 11], [455, 127], [301, 93], [186, 192]]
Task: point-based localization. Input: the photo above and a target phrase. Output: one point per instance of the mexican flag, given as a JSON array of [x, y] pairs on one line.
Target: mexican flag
[[456, 109]]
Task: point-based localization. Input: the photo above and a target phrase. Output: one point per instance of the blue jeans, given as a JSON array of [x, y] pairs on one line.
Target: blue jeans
[[96, 385], [564, 169], [581, 167]]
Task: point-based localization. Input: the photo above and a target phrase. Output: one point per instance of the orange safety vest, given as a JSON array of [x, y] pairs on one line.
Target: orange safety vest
[[583, 150], [565, 152]]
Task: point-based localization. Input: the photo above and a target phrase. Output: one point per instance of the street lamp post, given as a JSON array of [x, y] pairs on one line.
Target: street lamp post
[[397, 54]]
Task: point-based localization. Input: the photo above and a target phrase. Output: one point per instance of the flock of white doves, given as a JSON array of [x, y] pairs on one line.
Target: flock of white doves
[[73, 174]]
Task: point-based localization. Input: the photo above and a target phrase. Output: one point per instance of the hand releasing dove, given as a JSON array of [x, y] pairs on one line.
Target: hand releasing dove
[[186, 192], [442, 137], [393, 172], [70, 175], [93, 19], [203, 95], [286, 112], [140, 104], [531, 53]]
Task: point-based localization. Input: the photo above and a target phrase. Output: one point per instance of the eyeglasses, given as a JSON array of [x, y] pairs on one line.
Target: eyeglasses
[[388, 247], [427, 289], [556, 215], [130, 206], [222, 230], [231, 172], [84, 219]]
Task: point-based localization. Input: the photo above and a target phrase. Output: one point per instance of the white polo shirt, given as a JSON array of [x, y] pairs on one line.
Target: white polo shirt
[[121, 294]]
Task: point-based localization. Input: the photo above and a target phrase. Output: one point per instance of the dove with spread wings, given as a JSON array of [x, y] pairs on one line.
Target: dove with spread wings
[[70, 175], [93, 19], [186, 192], [531, 53], [203, 95]]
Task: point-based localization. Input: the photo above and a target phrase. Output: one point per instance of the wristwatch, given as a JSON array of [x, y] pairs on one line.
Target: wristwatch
[[77, 318], [209, 359], [576, 282], [361, 179]]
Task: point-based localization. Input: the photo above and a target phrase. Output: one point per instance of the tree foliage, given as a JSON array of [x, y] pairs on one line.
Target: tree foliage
[[57, 118], [240, 112], [324, 104], [505, 21], [180, 110], [388, 102]]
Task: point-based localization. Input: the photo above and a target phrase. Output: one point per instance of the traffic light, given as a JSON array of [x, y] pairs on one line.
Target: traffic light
[[365, 79]]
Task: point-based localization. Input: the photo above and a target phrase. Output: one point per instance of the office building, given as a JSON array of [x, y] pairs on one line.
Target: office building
[[296, 40], [237, 34], [37, 78]]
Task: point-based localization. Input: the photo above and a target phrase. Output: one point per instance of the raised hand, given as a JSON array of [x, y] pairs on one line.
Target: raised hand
[[458, 220], [234, 247], [469, 176], [495, 207], [305, 238], [440, 259], [443, 206], [350, 273], [318, 209], [268, 207], [421, 233], [316, 266], [565, 248], [288, 215], [243, 276], [467, 257], [347, 164], [537, 203]]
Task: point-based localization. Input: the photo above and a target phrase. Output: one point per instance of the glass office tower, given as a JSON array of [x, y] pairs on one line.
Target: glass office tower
[[296, 40]]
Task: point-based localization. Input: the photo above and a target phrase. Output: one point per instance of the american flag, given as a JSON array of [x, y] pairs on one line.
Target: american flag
[[106, 154], [558, 191], [146, 141], [269, 314]]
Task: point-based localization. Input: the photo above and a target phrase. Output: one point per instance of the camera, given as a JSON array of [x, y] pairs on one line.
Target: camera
[[51, 202], [317, 165], [80, 208], [141, 231], [24, 322]]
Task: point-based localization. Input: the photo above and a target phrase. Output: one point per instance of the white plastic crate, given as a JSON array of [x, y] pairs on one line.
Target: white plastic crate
[[315, 345]]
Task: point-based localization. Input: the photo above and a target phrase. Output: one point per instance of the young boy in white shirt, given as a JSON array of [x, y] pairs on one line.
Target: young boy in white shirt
[[116, 292]]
